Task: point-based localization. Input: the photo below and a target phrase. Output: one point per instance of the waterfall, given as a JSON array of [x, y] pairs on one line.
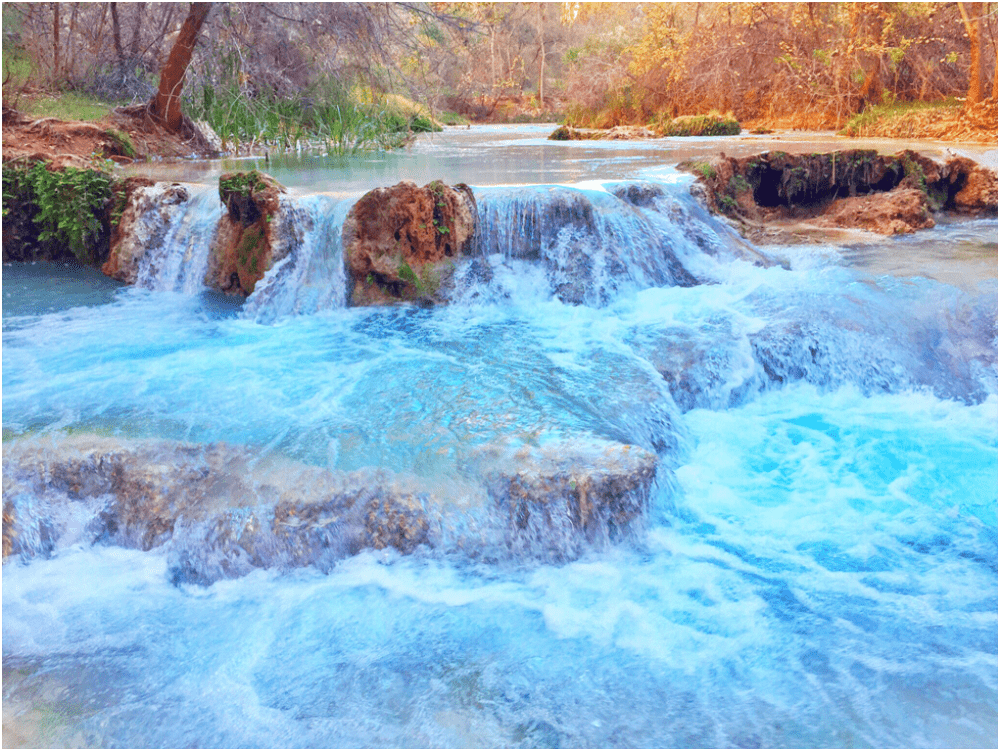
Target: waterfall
[[630, 484], [585, 246], [593, 247], [310, 275], [176, 257]]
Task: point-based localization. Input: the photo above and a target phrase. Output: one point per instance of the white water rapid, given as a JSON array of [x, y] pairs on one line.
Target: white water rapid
[[784, 460]]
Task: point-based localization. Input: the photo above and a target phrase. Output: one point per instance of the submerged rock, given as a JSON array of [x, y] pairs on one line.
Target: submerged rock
[[557, 498], [401, 243], [213, 503], [222, 512]]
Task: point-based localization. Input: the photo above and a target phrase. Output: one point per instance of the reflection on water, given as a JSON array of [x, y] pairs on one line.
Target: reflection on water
[[486, 155]]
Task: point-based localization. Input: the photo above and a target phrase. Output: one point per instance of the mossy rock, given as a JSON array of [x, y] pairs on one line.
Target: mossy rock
[[700, 125], [243, 244], [249, 195]]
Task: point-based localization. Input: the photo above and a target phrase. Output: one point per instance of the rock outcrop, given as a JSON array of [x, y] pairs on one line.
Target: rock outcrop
[[243, 245], [853, 189], [895, 212], [664, 127], [211, 502], [145, 210], [221, 512], [401, 243], [556, 499]]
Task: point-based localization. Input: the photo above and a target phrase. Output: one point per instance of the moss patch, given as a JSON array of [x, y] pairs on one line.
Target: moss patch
[[712, 124]]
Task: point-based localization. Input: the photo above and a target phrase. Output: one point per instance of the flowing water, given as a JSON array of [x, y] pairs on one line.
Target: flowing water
[[817, 565]]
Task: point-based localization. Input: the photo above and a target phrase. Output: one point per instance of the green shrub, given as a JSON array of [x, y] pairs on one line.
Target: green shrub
[[561, 134], [712, 124], [705, 169], [243, 183], [452, 118], [738, 184], [421, 124], [727, 204], [67, 206], [123, 142]]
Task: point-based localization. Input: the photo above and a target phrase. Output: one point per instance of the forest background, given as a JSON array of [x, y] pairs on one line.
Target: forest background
[[362, 75]]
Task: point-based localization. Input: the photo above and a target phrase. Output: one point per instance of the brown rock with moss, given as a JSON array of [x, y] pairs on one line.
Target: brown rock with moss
[[898, 211], [401, 243], [974, 187], [242, 249], [858, 189]]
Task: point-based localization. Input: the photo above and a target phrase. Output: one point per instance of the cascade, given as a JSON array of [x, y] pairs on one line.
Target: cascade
[[175, 255], [311, 276], [630, 481]]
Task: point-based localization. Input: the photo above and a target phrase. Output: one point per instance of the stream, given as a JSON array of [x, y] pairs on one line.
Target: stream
[[816, 564]]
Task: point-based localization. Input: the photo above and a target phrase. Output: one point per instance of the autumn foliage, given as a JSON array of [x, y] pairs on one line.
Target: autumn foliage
[[787, 64]]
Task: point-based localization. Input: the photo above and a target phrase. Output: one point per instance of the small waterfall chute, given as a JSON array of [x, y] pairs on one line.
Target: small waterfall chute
[[309, 275]]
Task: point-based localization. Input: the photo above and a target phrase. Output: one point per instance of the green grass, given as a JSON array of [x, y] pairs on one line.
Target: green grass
[[67, 106], [873, 114], [328, 118], [19, 70], [18, 67], [452, 118], [712, 124]]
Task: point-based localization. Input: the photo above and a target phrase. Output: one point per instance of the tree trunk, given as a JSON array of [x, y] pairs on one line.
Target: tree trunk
[[972, 17], [70, 49], [55, 41], [866, 30], [140, 14], [541, 55], [116, 33], [166, 105]]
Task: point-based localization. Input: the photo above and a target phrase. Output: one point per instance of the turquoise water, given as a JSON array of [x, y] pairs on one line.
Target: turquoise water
[[818, 566]]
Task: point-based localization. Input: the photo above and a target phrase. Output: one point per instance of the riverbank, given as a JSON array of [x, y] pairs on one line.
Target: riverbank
[[121, 137]]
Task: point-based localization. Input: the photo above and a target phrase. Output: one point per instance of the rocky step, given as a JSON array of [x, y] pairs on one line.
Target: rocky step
[[849, 189], [222, 512]]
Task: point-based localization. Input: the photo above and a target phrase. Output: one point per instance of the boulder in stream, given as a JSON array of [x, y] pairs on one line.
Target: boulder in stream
[[401, 243], [556, 499], [854, 188], [145, 211], [243, 249]]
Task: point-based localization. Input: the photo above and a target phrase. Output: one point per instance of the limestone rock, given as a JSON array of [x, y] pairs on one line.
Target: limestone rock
[[976, 187], [558, 497], [222, 514], [243, 248], [219, 511], [147, 211], [898, 211], [400, 243], [855, 189]]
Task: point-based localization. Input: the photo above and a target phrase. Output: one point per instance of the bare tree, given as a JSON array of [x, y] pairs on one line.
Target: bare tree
[[55, 40], [116, 33]]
